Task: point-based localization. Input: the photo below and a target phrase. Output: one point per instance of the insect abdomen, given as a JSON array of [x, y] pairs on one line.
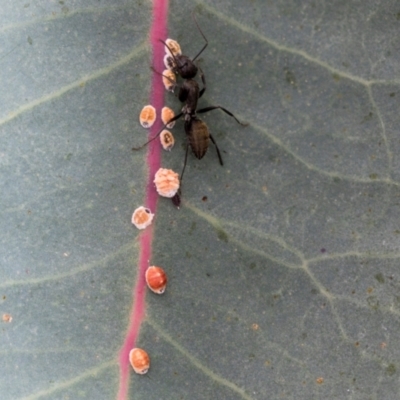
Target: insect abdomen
[[199, 137]]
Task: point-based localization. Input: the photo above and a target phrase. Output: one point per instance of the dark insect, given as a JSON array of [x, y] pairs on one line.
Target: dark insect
[[199, 136], [197, 132], [182, 65]]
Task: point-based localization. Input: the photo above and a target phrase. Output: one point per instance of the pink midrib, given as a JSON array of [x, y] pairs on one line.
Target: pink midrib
[[158, 31]]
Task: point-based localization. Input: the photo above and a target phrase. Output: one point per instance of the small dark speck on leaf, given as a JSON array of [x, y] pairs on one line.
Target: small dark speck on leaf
[[253, 265], [380, 278], [336, 77], [222, 235], [323, 250], [367, 117], [391, 369], [373, 176], [30, 41], [398, 16], [274, 159], [336, 179], [204, 198], [392, 94]]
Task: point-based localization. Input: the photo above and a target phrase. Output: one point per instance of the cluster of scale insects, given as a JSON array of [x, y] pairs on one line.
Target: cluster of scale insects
[[197, 132], [198, 139]]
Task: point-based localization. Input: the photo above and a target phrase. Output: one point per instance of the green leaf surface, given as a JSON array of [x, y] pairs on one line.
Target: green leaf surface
[[282, 264]]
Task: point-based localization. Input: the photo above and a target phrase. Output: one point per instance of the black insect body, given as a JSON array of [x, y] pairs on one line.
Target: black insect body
[[199, 135], [182, 65], [197, 132], [189, 93]]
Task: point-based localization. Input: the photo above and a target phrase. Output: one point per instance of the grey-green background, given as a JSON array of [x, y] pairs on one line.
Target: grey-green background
[[284, 283]]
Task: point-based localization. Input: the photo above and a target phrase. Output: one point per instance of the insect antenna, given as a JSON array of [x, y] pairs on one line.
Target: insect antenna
[[172, 54], [202, 34]]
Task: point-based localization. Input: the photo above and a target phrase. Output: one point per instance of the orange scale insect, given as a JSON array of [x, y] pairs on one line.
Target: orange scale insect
[[166, 115], [139, 360], [169, 80], [167, 140], [172, 46], [167, 182], [142, 217], [147, 116], [156, 279]]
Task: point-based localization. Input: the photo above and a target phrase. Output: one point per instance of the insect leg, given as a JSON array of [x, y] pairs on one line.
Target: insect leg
[[184, 165], [159, 133], [216, 146], [204, 110], [203, 79]]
